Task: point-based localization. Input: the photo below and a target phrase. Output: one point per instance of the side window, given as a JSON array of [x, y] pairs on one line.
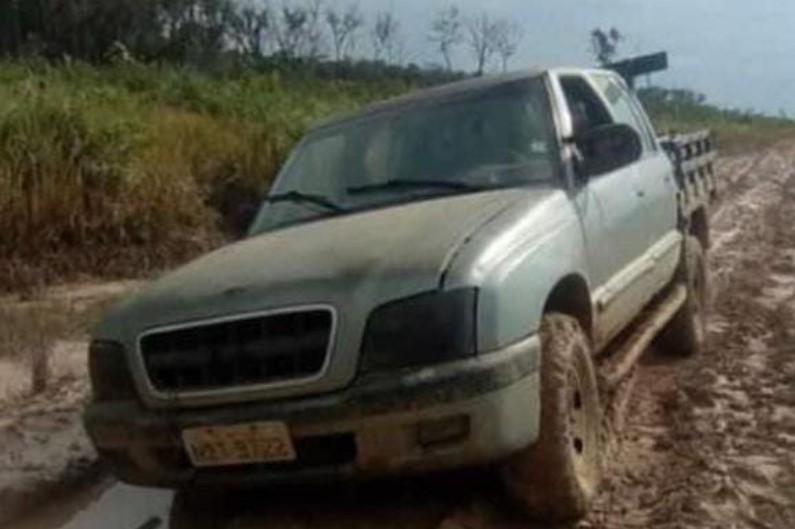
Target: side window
[[644, 118], [586, 109], [624, 108]]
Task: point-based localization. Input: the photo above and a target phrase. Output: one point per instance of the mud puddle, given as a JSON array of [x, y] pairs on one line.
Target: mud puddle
[[105, 505]]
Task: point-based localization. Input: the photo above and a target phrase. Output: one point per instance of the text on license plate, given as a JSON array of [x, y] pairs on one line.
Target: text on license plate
[[240, 444]]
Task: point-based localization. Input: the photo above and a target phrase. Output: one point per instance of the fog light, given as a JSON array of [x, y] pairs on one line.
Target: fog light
[[443, 431]]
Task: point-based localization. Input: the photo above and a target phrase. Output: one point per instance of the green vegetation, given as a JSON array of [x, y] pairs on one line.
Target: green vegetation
[[119, 170], [735, 131], [123, 169]]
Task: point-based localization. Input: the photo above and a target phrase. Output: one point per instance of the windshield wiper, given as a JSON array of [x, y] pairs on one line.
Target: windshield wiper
[[299, 197], [413, 184]]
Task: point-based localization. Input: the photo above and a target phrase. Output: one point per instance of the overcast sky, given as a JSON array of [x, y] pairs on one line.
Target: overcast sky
[[739, 53]]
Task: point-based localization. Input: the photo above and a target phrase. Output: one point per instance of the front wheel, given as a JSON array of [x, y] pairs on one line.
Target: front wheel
[[556, 477]]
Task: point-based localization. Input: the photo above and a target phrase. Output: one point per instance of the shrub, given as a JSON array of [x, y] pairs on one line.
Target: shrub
[[113, 171]]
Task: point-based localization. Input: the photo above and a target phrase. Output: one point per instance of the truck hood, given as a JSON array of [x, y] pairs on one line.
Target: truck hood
[[352, 262]]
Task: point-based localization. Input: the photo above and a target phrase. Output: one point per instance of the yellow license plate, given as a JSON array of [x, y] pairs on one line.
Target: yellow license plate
[[241, 444]]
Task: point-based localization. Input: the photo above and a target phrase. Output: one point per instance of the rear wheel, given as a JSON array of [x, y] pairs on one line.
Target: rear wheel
[[685, 334], [556, 477]]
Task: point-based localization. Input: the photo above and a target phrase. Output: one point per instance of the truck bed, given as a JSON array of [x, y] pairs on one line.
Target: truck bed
[[693, 156]]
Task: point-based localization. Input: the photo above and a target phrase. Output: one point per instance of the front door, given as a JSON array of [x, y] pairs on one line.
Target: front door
[[612, 217], [655, 183]]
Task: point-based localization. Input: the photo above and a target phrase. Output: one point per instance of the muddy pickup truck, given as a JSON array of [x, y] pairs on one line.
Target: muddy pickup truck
[[445, 279]]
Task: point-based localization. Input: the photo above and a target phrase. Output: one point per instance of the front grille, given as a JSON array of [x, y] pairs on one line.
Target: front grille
[[243, 352]]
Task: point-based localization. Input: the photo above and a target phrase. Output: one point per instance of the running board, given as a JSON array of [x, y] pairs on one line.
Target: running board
[[620, 363]]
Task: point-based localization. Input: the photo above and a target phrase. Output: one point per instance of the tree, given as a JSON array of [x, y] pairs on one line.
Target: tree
[[94, 30], [10, 27], [196, 31], [85, 29], [386, 35], [249, 29], [291, 30], [604, 45], [508, 36], [445, 31], [482, 33], [343, 29], [314, 29]]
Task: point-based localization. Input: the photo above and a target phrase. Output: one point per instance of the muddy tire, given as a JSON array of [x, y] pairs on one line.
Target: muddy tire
[[557, 476], [685, 334], [197, 510]]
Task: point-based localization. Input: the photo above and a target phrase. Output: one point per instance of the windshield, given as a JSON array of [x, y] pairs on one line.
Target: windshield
[[500, 137]]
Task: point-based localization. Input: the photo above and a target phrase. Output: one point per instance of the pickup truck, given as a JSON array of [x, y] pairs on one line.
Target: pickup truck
[[454, 277]]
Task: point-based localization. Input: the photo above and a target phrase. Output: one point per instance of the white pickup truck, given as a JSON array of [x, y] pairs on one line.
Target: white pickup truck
[[449, 278]]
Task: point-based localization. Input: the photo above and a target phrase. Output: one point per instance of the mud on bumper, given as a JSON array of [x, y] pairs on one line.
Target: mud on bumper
[[464, 413]]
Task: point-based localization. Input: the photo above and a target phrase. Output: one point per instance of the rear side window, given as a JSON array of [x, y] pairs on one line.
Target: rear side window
[[624, 109]]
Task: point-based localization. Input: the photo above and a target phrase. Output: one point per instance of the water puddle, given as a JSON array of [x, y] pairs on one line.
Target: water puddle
[[104, 506]]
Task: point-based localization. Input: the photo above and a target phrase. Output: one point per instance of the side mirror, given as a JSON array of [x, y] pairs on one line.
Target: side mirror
[[609, 147]]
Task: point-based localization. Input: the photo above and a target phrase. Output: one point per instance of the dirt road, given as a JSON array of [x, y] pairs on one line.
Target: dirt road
[[710, 441], [700, 443]]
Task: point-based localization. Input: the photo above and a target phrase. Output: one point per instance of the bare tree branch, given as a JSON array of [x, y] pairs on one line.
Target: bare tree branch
[[508, 36], [314, 28], [386, 38], [250, 27], [446, 32], [604, 44], [343, 29], [482, 33], [291, 29]]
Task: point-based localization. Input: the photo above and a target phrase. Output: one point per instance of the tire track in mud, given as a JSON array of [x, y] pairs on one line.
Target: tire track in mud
[[710, 441]]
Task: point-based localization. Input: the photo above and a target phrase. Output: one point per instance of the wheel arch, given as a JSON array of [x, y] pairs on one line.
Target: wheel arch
[[571, 296]]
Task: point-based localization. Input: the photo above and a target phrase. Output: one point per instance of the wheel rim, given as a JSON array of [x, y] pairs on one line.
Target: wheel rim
[[579, 430]]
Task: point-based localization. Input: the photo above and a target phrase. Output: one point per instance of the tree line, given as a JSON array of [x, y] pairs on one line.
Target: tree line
[[200, 32]]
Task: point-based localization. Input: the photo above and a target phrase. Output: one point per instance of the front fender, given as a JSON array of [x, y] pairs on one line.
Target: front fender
[[516, 261]]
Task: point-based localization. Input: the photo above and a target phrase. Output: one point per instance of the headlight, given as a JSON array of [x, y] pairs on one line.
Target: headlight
[[110, 375], [422, 330]]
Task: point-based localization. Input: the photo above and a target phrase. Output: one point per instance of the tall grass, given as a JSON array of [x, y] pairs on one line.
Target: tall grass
[[75, 174], [110, 171]]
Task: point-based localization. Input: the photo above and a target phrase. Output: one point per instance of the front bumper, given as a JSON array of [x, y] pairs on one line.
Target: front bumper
[[468, 412]]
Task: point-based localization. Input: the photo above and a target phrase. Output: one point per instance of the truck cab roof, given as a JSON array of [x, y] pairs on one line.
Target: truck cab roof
[[444, 92]]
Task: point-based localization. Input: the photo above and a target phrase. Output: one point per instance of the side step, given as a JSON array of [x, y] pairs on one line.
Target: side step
[[621, 362]]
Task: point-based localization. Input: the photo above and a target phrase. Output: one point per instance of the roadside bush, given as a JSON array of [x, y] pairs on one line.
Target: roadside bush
[[72, 177], [120, 170]]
